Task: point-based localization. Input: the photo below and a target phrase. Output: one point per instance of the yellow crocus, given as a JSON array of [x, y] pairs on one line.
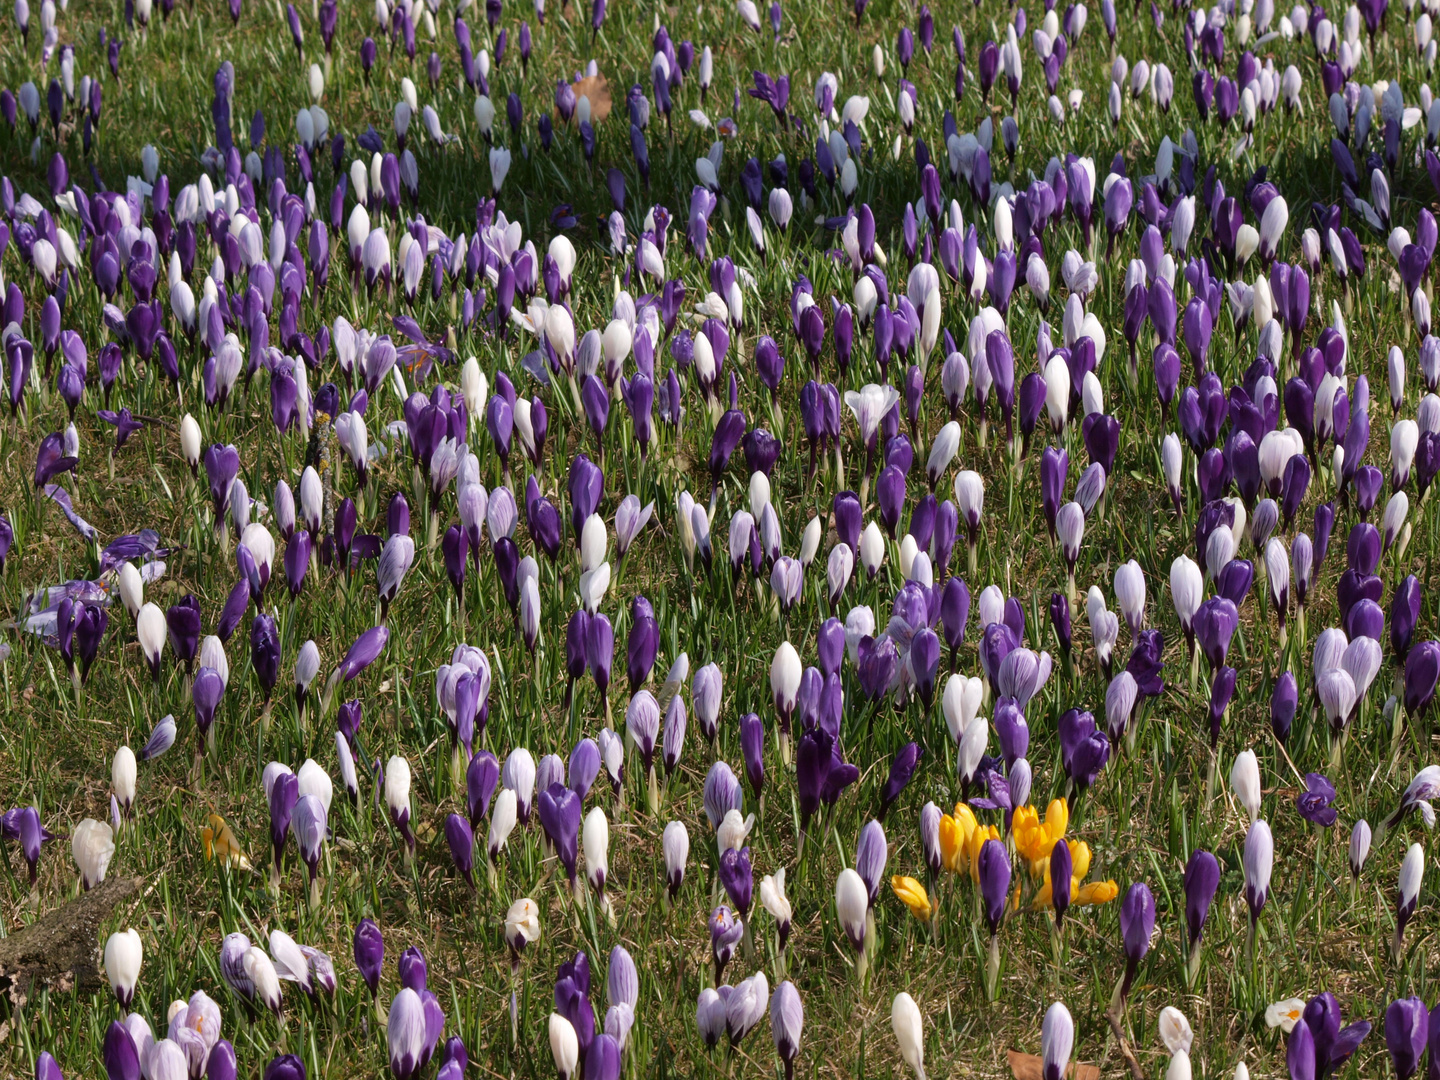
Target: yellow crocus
[[1045, 895], [219, 840], [952, 843], [1096, 892], [976, 842], [957, 833], [965, 818], [1023, 822], [912, 894], [1035, 839], [1082, 893]]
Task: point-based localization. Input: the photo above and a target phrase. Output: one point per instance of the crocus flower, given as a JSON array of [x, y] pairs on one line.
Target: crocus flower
[[406, 1034], [676, 844], [123, 956], [851, 905], [1407, 1024], [1201, 880], [560, 817], [1314, 804], [726, 931], [1258, 861], [902, 768], [787, 1018], [1137, 924], [1057, 1038]]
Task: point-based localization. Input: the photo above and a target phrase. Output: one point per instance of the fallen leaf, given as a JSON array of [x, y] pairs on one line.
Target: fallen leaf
[[1030, 1067]]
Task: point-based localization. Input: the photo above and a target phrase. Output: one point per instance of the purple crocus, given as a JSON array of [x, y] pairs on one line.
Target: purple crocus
[[1315, 802], [1201, 880], [559, 809], [1407, 1025], [902, 768], [1137, 924]]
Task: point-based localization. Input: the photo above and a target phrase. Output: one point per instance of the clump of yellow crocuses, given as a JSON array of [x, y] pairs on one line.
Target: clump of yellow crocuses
[[1035, 839], [1082, 893], [961, 838]]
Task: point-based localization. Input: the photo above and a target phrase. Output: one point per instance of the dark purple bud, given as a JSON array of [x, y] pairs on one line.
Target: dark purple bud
[[1201, 880], [1283, 701]]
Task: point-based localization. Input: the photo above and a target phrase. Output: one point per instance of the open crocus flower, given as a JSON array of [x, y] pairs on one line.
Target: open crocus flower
[[1034, 839], [870, 405]]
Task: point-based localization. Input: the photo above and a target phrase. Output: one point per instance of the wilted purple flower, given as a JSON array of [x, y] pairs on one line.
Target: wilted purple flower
[[1314, 803]]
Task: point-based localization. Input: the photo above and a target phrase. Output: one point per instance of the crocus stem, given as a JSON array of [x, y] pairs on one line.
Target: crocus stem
[[1192, 967], [992, 969]]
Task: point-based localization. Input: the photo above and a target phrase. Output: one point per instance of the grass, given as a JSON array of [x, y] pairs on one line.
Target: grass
[[1142, 819]]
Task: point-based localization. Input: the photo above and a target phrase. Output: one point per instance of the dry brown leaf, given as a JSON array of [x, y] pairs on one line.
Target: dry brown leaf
[[1030, 1067], [598, 91]]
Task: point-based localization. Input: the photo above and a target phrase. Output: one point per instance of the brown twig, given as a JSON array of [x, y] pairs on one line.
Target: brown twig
[[1125, 1051]]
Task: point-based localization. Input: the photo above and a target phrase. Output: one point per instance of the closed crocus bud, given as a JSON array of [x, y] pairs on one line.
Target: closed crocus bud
[[785, 672], [369, 953], [502, 821], [942, 452], [123, 956], [706, 694], [1407, 1023], [190, 442], [1395, 531], [122, 777], [1359, 847], [1272, 227], [872, 550], [260, 970], [675, 842], [406, 1034], [564, 1046], [167, 1060], [132, 588], [397, 799], [151, 631], [518, 776], [1057, 1039], [1412, 871], [909, 1029], [870, 856], [852, 901], [1259, 860], [597, 852], [1404, 438], [930, 816], [120, 1054], [1245, 782], [1137, 924], [787, 1018], [1130, 594]]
